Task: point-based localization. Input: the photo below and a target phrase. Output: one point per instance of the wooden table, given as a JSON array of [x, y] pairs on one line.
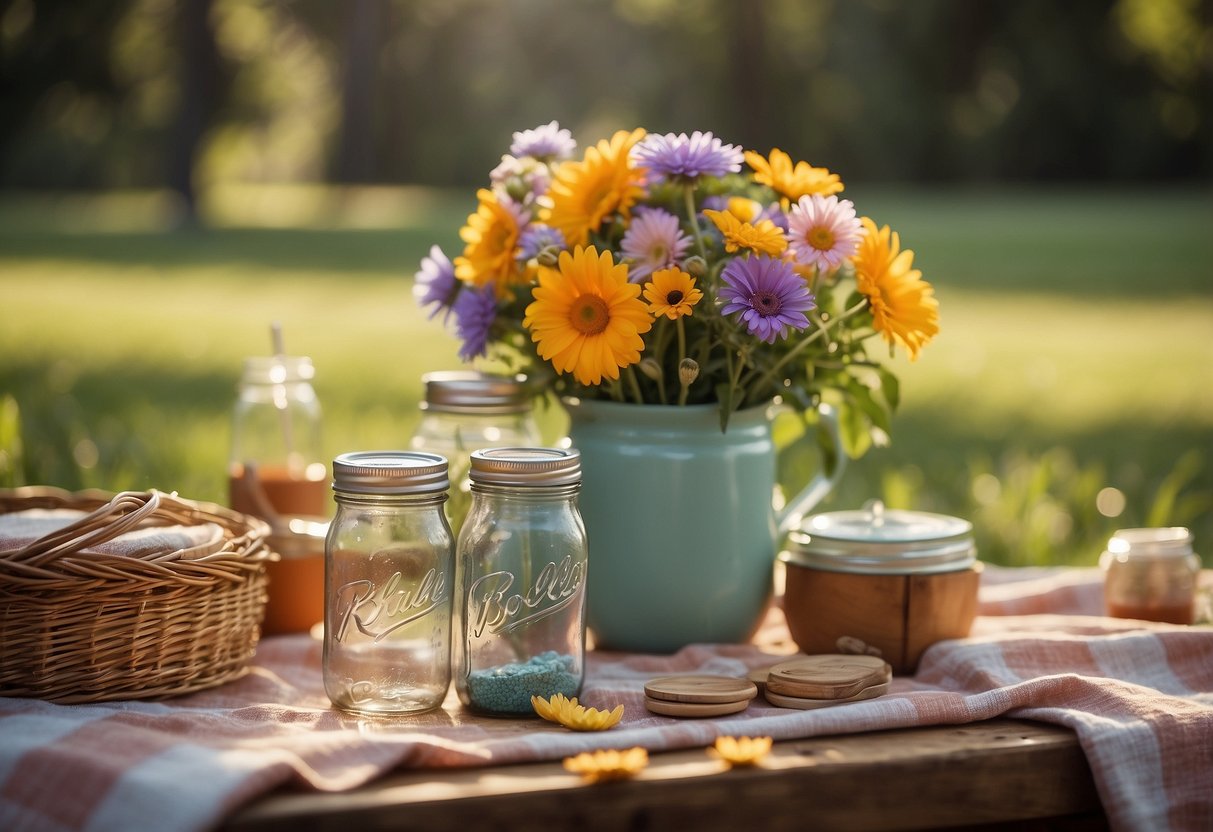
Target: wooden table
[[1009, 774]]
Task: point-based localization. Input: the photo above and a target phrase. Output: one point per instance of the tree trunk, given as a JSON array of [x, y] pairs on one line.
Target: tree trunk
[[200, 82]]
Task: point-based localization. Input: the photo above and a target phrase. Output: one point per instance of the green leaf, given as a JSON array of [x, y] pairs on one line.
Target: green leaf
[[890, 387], [855, 428], [866, 402]]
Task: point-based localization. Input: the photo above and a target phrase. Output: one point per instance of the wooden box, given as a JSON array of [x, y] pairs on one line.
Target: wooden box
[[900, 615]]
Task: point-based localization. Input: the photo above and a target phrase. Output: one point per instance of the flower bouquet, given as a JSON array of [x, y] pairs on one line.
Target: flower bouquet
[[675, 269], [670, 288]]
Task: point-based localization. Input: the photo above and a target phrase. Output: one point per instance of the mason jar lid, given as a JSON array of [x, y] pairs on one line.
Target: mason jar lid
[[880, 541], [472, 392], [390, 472], [278, 369], [530, 467], [1168, 542]]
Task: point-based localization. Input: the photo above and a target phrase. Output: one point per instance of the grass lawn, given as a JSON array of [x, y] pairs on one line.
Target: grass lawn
[[1076, 354]]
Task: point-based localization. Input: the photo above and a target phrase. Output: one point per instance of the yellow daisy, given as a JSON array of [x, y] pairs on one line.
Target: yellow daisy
[[491, 235], [764, 237], [904, 308], [607, 764], [672, 293], [572, 715], [746, 210], [586, 318], [741, 751], [792, 182], [604, 182]]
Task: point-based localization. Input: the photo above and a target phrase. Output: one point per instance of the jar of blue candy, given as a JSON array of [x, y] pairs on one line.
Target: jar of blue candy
[[520, 572]]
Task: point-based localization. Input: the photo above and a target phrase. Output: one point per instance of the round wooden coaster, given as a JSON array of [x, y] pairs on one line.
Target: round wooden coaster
[[759, 677], [805, 704], [694, 709], [828, 676], [701, 689]]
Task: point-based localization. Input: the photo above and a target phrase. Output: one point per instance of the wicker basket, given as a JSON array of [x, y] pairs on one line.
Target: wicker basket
[[86, 626]]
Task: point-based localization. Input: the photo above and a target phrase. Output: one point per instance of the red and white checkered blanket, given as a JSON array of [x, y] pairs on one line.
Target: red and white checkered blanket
[[1139, 696]]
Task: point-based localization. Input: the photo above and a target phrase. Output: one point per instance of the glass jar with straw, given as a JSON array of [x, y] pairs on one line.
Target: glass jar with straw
[[276, 472]]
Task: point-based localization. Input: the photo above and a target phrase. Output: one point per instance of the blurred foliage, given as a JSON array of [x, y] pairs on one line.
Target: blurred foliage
[[110, 92]]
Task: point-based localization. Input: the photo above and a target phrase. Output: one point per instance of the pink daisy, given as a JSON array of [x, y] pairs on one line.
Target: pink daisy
[[823, 231], [653, 241]]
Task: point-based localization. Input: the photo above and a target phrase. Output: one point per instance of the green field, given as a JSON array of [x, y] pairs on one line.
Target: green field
[[1076, 351]]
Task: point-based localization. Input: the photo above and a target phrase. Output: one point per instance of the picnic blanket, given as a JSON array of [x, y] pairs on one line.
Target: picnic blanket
[[1139, 696]]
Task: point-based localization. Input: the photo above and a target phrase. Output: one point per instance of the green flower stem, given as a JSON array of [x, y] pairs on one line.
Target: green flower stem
[[633, 384], [682, 353], [769, 375], [689, 195]]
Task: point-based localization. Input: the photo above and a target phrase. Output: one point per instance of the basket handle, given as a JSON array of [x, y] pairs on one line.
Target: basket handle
[[120, 515]]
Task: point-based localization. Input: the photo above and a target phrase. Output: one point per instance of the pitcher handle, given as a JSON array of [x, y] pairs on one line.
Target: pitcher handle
[[821, 484]]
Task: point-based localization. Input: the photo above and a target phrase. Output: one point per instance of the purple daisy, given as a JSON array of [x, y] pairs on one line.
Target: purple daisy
[[770, 296], [678, 157], [653, 241], [536, 238], [435, 283], [475, 310], [547, 141]]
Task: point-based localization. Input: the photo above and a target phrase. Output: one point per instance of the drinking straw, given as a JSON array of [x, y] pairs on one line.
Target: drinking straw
[[294, 464]]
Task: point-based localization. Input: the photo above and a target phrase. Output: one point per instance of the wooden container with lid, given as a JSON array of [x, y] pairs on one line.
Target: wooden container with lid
[[897, 580]]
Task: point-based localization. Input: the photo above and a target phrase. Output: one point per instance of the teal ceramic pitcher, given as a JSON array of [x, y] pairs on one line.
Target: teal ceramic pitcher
[[681, 529]]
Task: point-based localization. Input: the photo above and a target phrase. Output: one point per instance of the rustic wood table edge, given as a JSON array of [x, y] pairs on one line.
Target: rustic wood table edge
[[997, 772]]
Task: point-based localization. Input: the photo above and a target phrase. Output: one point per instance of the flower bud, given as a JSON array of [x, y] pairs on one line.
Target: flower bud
[[688, 371], [548, 256], [517, 188], [695, 266], [651, 368]]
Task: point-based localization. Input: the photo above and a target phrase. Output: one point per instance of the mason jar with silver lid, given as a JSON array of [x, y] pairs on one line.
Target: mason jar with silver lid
[[881, 541], [388, 583], [464, 411], [1151, 575], [896, 580], [521, 571]]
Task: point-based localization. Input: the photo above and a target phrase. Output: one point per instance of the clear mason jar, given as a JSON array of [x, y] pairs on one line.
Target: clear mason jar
[[521, 570], [1151, 575], [388, 580], [275, 466], [466, 411]]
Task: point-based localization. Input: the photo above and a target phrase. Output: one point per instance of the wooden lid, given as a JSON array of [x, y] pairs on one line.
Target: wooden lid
[[694, 709], [827, 677], [700, 689], [804, 704]]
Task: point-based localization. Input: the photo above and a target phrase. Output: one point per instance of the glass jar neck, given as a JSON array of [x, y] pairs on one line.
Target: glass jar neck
[[388, 501], [525, 493]]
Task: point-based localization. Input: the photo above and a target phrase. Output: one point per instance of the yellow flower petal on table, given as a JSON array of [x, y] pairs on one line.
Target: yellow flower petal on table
[[742, 751], [577, 717], [598, 766]]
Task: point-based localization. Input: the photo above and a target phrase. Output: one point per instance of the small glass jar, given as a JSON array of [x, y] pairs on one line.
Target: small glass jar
[[1151, 575], [388, 580], [521, 569], [276, 472], [466, 411], [275, 466]]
